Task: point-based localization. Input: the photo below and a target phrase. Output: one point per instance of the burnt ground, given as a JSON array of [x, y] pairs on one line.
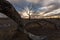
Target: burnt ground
[[8, 30], [48, 27]]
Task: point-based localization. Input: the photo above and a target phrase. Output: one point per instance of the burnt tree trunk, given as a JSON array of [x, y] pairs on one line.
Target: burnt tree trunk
[[7, 9]]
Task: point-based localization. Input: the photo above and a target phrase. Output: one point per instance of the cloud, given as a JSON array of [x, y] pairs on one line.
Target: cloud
[[18, 4], [45, 2]]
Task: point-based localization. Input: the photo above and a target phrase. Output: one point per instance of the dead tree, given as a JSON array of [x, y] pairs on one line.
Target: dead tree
[[7, 9]]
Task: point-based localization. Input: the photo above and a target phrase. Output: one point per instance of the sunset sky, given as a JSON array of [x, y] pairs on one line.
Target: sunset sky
[[20, 4]]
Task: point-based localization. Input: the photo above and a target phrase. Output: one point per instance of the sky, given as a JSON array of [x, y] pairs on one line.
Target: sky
[[20, 4]]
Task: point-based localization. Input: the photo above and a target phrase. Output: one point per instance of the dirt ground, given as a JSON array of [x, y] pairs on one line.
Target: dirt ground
[[50, 28]]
